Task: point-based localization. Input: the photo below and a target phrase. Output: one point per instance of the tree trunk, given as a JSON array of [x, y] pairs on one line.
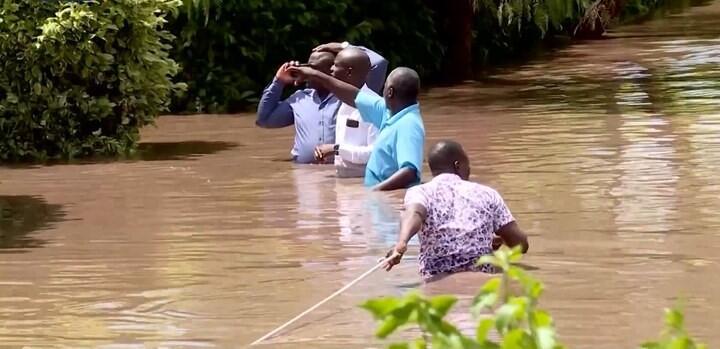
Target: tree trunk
[[597, 18], [454, 23]]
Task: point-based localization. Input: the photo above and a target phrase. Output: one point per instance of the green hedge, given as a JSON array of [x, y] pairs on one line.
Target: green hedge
[[81, 78], [230, 55]]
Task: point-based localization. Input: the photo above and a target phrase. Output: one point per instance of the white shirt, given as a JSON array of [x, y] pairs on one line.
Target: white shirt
[[355, 143]]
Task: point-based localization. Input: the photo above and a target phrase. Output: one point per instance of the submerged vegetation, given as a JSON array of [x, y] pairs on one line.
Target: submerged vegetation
[[504, 320]]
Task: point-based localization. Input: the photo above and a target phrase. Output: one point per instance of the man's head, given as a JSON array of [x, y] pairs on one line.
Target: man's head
[[321, 61], [352, 65], [401, 89], [449, 157]]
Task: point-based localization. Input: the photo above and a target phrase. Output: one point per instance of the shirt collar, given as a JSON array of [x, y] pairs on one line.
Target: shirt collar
[[446, 177], [412, 109], [314, 94]]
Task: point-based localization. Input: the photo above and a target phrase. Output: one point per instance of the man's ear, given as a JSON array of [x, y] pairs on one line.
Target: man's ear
[[456, 165], [391, 92]]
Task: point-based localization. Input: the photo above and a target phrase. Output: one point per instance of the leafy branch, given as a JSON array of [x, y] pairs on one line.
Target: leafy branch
[[515, 319]]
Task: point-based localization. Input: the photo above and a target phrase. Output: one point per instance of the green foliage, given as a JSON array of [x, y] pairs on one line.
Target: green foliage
[[634, 10], [230, 49], [507, 28], [515, 319], [674, 335], [81, 78]]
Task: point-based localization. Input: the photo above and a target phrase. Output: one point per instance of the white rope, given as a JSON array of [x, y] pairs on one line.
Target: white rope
[[364, 275]]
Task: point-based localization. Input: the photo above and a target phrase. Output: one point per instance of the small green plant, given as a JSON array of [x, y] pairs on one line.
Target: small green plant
[[516, 319], [674, 335]]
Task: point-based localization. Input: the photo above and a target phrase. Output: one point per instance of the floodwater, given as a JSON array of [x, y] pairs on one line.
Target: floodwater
[[607, 152]]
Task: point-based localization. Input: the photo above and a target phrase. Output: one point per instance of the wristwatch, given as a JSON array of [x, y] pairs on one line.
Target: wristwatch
[[336, 148], [345, 44]]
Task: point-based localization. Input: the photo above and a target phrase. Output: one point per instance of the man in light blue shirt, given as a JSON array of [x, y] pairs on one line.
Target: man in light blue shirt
[[312, 110], [396, 159]]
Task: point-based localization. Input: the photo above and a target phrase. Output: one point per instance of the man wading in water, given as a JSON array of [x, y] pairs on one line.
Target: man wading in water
[[457, 220], [396, 158], [354, 137]]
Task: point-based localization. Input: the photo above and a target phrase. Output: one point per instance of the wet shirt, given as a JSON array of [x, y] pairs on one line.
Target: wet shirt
[[462, 218], [314, 117], [400, 141]]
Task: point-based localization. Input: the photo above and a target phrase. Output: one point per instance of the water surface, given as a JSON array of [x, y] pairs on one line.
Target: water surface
[[607, 152]]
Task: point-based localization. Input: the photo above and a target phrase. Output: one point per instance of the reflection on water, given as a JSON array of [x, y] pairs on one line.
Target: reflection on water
[[153, 151], [607, 152], [21, 215]]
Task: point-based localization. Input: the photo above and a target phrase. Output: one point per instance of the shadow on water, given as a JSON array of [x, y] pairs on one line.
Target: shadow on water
[[21, 215], [157, 151], [147, 151]]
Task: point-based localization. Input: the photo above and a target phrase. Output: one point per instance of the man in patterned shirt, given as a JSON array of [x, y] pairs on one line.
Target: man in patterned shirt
[[458, 221]]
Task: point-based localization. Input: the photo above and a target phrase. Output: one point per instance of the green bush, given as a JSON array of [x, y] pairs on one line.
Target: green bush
[[81, 78], [516, 319], [229, 50]]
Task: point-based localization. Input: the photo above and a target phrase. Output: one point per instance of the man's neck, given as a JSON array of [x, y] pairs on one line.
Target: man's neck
[[442, 172], [401, 106], [358, 84]]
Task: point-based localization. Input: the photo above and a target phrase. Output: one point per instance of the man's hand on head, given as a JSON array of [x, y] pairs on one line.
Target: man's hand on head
[[333, 47]]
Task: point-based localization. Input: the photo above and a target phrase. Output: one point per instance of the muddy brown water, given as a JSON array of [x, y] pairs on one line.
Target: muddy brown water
[[607, 152]]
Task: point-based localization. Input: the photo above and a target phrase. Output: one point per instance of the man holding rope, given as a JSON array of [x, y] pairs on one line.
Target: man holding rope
[[458, 221]]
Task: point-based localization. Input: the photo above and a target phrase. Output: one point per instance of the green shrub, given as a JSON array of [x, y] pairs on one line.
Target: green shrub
[[229, 50], [517, 320], [81, 78]]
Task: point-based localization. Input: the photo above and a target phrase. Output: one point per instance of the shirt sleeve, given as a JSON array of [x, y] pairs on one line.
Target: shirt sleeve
[[359, 154], [272, 112], [371, 107], [501, 212], [416, 196], [409, 148]]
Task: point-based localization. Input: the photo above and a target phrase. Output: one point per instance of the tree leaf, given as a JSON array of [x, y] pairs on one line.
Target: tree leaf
[[483, 329], [541, 318], [380, 307], [442, 304], [545, 337]]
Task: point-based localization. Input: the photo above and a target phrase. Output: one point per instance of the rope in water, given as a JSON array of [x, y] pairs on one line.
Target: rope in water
[[343, 289]]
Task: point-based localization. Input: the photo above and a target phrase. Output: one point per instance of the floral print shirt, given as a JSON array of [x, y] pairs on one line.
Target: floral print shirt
[[462, 218]]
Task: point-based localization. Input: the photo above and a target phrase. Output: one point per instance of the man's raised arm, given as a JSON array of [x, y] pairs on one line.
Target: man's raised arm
[[342, 90]]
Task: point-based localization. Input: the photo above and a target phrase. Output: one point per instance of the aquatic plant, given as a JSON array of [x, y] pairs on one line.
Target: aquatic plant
[[81, 78], [516, 319]]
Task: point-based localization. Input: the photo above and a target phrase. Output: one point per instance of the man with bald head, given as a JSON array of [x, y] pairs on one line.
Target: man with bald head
[[313, 109], [396, 158], [354, 136], [458, 221]]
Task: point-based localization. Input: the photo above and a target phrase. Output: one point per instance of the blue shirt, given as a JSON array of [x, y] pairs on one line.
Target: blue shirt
[[314, 117], [400, 142]]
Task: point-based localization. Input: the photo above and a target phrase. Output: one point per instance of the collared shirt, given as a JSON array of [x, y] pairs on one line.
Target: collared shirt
[[314, 117], [355, 143], [400, 142], [462, 218]]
